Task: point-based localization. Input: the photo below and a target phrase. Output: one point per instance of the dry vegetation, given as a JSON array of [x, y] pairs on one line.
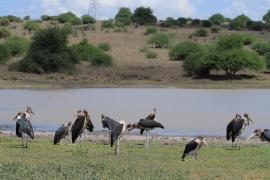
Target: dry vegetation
[[131, 67]]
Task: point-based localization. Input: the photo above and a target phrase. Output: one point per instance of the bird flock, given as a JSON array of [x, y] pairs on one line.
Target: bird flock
[[116, 130]]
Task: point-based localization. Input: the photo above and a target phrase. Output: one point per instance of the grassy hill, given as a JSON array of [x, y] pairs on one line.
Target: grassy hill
[[130, 67]]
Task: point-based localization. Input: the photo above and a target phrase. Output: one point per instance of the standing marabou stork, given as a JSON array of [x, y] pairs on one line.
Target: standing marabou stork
[[108, 123], [236, 127], [24, 128], [117, 132], [193, 146], [146, 125], [81, 123], [62, 132], [28, 113], [263, 135]]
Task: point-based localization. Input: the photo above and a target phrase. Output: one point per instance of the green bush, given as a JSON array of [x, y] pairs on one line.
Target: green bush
[[215, 29], [239, 23], [69, 17], [150, 55], [184, 49], [67, 28], [150, 30], [85, 50], [169, 22], [102, 59], [206, 23], [201, 32], [262, 48], [48, 53], [4, 33], [160, 40], [124, 16], [12, 18], [4, 21], [31, 25], [266, 17], [109, 24], [4, 54], [247, 39], [255, 25], [181, 21], [17, 45], [230, 41], [86, 19], [45, 18], [105, 46], [195, 22]]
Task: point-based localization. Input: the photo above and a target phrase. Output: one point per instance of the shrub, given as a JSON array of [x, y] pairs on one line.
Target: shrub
[[124, 16], [102, 59], [26, 18], [4, 33], [200, 32], [215, 29], [150, 55], [17, 45], [144, 16], [184, 49], [105, 46], [262, 48], [160, 40], [255, 25], [239, 23], [266, 17], [4, 54], [206, 23], [31, 25], [230, 41], [169, 22], [197, 63], [4, 21], [217, 19], [45, 18], [67, 28], [86, 19], [85, 50], [48, 53], [247, 39], [195, 22], [12, 18], [108, 24], [181, 21], [150, 30]]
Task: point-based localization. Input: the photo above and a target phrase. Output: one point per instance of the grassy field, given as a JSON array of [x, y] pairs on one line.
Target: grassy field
[[97, 161], [130, 67]]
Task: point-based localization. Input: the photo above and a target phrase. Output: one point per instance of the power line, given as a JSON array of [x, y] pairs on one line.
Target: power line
[[93, 8]]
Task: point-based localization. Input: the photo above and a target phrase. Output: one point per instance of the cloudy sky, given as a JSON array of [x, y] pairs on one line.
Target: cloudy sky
[[162, 9]]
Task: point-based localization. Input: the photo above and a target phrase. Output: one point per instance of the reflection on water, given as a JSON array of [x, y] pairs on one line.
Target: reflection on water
[[181, 111]]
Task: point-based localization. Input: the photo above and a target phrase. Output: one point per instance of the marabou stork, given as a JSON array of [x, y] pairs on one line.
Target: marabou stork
[[108, 123], [146, 125], [24, 128], [263, 135], [117, 132], [81, 123], [28, 113], [62, 132], [193, 146], [236, 127]]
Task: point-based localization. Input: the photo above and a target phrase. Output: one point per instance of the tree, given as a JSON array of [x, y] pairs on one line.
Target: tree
[[86, 19], [230, 41], [48, 53], [124, 16], [181, 21], [255, 25], [239, 22], [68, 17], [169, 22], [4, 21], [184, 49], [144, 16], [195, 22], [217, 19], [45, 18], [206, 23], [266, 17], [160, 40]]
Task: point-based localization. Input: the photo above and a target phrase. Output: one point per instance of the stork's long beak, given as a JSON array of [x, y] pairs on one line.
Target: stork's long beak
[[251, 136], [204, 142]]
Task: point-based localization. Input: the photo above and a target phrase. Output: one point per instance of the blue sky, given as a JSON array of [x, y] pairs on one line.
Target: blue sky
[[107, 8]]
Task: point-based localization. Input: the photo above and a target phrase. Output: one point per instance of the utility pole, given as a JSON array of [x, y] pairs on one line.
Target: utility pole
[[93, 8]]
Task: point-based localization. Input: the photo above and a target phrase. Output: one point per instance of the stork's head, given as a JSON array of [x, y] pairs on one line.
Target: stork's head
[[202, 140], [29, 110], [237, 116], [247, 118], [257, 132]]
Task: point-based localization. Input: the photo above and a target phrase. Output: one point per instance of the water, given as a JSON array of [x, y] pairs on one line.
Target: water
[[181, 111]]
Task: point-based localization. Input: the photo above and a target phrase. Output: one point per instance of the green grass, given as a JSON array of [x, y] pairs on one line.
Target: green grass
[[42, 160]]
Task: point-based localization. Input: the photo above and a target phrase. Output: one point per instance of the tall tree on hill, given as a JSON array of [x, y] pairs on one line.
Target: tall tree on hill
[[144, 16]]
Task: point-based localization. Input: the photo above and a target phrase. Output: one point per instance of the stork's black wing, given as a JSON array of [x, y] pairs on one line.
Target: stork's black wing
[[148, 123], [230, 129], [77, 128], [89, 125], [18, 132], [191, 146], [116, 132], [266, 134], [61, 132], [26, 127]]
